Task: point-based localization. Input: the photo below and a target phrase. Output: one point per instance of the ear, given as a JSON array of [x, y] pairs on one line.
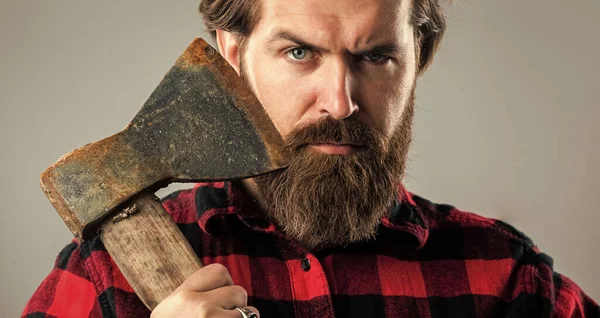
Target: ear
[[229, 48]]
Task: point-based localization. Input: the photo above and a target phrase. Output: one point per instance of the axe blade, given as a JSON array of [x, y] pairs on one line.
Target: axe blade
[[202, 123], [207, 121]]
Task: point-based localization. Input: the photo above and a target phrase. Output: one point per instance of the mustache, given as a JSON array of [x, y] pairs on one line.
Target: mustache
[[326, 130]]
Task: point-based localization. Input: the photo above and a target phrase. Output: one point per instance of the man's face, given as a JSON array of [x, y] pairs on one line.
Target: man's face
[[360, 62], [337, 78]]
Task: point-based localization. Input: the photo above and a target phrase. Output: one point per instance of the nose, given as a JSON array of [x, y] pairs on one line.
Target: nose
[[336, 96]]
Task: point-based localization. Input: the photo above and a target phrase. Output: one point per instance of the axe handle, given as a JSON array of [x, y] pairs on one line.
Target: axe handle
[[149, 249]]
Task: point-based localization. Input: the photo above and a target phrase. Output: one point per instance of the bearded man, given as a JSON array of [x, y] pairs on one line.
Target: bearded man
[[335, 234]]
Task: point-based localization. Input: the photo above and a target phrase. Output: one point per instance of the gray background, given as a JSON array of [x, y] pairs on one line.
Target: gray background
[[505, 125]]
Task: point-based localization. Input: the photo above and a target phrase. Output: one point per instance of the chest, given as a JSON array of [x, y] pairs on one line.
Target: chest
[[284, 280]]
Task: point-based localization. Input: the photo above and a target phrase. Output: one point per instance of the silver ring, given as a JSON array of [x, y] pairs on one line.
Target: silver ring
[[246, 313]]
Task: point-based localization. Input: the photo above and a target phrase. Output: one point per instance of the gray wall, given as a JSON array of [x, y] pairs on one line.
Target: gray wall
[[504, 127]]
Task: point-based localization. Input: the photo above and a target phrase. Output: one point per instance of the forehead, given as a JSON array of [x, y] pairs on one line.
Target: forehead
[[355, 21]]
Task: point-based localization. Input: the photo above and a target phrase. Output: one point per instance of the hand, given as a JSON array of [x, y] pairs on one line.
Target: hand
[[208, 292]]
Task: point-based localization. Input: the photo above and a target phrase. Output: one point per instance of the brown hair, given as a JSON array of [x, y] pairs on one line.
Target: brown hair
[[241, 16]]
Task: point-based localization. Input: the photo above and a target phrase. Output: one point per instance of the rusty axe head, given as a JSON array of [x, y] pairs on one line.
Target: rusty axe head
[[202, 123]]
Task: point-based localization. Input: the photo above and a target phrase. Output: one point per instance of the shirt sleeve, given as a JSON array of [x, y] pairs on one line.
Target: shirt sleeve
[[67, 291], [86, 282], [565, 298], [570, 300]]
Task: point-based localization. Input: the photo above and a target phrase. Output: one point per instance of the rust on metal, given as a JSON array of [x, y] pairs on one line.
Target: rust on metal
[[245, 99], [201, 123]]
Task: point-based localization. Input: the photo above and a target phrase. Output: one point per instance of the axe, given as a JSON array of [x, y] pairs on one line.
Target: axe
[[202, 123]]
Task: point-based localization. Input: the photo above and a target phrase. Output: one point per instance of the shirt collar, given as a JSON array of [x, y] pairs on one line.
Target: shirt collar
[[406, 216], [231, 201]]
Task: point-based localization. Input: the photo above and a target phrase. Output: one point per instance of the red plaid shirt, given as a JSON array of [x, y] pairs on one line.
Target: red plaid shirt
[[428, 260]]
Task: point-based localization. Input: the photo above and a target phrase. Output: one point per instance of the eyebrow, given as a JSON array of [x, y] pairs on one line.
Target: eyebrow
[[384, 49], [288, 36]]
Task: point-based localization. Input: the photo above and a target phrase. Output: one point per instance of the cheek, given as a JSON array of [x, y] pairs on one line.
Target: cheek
[[383, 105], [395, 97], [282, 95]]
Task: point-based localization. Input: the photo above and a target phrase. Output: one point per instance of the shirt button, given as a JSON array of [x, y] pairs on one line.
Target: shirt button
[[305, 264]]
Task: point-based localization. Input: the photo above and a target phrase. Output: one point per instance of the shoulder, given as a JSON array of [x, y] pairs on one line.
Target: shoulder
[[191, 208], [481, 242], [500, 260], [188, 205], [471, 228], [180, 205]]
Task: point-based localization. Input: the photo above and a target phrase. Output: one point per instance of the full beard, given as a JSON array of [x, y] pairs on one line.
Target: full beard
[[324, 200]]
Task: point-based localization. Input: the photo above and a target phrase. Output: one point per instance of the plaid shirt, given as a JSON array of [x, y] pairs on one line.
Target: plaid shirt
[[428, 260]]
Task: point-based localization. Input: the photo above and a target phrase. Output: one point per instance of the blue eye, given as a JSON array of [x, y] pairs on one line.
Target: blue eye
[[298, 54], [376, 58]]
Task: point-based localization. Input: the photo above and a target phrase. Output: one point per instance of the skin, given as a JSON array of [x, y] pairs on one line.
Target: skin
[[340, 79], [360, 62]]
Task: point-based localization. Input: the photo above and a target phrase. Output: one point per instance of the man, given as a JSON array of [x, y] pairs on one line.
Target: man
[[335, 234]]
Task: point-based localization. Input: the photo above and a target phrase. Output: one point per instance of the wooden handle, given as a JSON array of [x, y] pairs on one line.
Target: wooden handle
[[149, 249]]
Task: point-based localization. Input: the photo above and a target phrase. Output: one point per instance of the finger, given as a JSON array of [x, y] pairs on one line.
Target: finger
[[254, 310], [208, 278], [238, 314], [226, 313], [219, 312], [227, 297]]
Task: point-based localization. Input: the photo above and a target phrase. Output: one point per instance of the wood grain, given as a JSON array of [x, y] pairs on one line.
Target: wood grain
[[149, 249]]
